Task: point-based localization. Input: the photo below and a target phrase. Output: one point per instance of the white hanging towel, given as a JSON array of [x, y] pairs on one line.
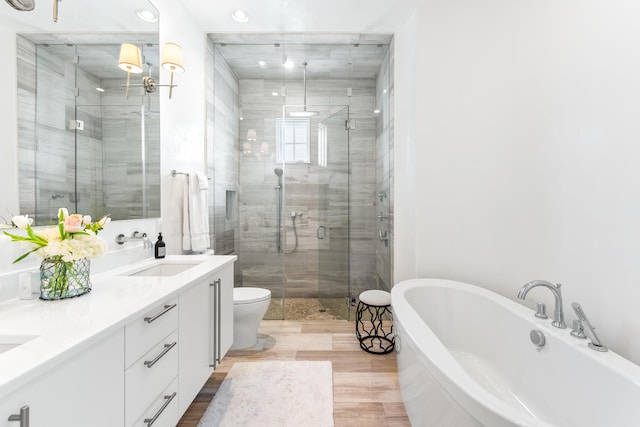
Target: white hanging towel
[[195, 223]]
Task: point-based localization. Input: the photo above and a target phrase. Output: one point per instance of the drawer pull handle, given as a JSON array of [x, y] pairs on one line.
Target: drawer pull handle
[[150, 421], [23, 417], [167, 347], [166, 309]]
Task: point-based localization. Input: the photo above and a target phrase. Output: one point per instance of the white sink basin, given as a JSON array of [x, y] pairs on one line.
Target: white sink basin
[[163, 269], [9, 342]]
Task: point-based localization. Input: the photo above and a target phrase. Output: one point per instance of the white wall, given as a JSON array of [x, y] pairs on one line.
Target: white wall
[[405, 188], [183, 117], [529, 152]]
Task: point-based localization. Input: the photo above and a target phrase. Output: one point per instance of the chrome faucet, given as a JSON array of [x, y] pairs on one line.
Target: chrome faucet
[[558, 312], [135, 236]]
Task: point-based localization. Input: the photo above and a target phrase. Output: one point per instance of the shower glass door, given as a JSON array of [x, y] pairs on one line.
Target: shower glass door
[[333, 213]]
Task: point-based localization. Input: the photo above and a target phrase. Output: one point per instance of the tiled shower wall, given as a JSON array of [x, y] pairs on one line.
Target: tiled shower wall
[[306, 189], [223, 116]]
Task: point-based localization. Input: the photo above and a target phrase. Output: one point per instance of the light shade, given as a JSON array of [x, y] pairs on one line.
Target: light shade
[[172, 58], [252, 135], [130, 58]]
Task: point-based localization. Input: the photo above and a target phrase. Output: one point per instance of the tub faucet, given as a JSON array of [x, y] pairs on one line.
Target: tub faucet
[[558, 312]]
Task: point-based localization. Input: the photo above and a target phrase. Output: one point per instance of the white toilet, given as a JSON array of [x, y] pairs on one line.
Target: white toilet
[[249, 306]]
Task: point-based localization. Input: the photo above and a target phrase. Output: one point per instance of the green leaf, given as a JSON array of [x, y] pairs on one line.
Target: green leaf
[[23, 256]]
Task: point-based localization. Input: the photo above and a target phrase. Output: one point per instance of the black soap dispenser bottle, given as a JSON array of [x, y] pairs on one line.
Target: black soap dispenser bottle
[[160, 249]]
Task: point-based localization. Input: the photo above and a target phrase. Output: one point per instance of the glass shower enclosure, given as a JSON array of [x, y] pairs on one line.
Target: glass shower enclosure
[[295, 196]]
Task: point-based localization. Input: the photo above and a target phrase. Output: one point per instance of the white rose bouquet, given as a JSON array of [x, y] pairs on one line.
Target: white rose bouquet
[[75, 238], [66, 250]]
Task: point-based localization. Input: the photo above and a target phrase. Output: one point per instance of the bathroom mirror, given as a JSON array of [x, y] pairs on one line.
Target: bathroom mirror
[[83, 144]]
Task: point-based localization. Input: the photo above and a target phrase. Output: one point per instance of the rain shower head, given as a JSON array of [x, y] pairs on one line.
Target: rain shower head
[[22, 5], [304, 112], [278, 171]]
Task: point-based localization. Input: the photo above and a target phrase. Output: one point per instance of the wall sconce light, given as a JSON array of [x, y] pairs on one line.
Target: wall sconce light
[[131, 61], [251, 135], [172, 61], [246, 148]]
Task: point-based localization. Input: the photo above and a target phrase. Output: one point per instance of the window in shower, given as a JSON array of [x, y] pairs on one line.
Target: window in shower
[[322, 145], [292, 140]]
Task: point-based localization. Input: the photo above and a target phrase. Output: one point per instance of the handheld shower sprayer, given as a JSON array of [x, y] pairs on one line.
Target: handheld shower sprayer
[[278, 171]]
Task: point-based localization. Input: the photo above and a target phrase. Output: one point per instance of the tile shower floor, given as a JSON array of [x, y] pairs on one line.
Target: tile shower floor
[[365, 386], [307, 309]]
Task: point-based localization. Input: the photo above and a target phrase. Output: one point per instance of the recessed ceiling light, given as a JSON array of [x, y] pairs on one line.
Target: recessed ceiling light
[[288, 64], [240, 16], [262, 64], [147, 15], [376, 111], [274, 94], [99, 89]]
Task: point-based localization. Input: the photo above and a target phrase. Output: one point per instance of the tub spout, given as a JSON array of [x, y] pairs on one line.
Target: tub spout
[[558, 312]]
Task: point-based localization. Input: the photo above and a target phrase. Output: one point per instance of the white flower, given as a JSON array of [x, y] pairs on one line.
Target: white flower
[[86, 219], [104, 221], [22, 221], [63, 212]]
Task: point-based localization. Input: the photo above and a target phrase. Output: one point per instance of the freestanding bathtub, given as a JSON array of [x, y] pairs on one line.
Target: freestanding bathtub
[[465, 359]]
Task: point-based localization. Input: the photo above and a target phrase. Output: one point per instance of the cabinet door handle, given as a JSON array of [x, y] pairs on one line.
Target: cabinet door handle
[[23, 416], [167, 347], [214, 322], [219, 322], [150, 421], [166, 309]]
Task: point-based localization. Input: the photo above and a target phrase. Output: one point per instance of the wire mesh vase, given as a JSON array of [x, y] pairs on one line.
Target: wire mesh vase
[[60, 279]]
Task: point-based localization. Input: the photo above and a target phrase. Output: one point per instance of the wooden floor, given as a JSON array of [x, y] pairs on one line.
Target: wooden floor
[[365, 386]]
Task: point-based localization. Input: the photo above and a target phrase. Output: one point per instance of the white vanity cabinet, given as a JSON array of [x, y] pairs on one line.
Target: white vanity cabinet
[[151, 362], [206, 331], [84, 390], [134, 368]]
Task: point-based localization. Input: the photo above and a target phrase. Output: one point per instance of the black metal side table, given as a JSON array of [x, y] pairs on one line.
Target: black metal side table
[[374, 322]]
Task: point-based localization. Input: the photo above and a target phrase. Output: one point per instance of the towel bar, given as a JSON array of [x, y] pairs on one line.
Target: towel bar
[[175, 172]]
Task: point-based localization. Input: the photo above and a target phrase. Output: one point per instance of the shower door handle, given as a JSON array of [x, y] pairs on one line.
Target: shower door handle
[[321, 232]]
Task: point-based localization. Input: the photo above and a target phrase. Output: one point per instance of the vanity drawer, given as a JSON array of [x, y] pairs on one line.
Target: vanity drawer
[[163, 411], [146, 331], [149, 376]]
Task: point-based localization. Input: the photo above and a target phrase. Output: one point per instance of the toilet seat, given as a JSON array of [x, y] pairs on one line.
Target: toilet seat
[[250, 295]]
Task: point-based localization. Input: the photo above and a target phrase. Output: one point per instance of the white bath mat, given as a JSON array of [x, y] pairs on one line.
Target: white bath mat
[[273, 394]]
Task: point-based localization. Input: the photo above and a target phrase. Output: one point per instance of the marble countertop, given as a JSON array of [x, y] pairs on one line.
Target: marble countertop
[[64, 328]]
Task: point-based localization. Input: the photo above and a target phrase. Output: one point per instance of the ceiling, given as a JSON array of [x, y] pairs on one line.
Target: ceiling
[[328, 56], [336, 16], [326, 16]]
